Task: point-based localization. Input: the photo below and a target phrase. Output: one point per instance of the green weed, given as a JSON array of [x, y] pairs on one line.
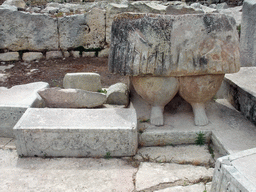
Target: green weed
[[200, 139]]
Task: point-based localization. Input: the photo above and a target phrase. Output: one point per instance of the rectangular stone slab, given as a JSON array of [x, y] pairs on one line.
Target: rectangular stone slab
[[173, 45], [77, 132]]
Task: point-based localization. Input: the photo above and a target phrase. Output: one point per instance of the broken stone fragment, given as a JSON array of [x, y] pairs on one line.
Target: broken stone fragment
[[174, 45], [71, 98], [85, 81], [118, 94]]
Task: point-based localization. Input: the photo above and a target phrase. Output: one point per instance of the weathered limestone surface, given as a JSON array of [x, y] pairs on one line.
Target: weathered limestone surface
[[77, 132], [10, 56], [88, 54], [85, 81], [161, 45], [64, 174], [193, 154], [15, 101], [118, 94], [87, 30], [248, 28], [25, 31], [236, 172], [71, 98], [153, 174], [31, 56]]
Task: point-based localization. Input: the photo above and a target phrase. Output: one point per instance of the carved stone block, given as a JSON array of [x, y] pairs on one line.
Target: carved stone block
[[174, 45], [77, 132]]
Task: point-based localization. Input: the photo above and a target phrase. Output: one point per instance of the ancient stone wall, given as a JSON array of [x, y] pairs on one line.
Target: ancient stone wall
[[71, 26]]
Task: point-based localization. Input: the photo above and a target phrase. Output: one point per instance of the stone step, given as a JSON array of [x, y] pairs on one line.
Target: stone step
[[157, 176], [183, 154], [201, 187], [63, 132]]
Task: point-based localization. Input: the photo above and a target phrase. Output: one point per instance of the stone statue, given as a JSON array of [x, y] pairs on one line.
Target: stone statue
[[166, 54]]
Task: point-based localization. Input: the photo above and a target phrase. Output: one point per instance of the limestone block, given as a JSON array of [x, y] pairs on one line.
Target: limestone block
[[71, 98], [77, 132], [153, 174], [88, 54], [104, 53], [54, 55], [15, 101], [75, 54], [247, 40], [189, 154], [31, 56], [85, 81], [25, 31], [10, 56], [16, 3], [87, 30], [118, 94], [161, 45]]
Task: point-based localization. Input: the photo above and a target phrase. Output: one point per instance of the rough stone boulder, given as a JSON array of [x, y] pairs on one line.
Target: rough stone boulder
[[174, 45], [118, 94], [25, 31], [85, 81], [71, 98]]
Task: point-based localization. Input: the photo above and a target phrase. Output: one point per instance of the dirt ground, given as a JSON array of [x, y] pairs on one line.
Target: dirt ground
[[53, 71]]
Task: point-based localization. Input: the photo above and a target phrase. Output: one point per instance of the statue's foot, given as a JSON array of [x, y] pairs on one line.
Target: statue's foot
[[157, 117], [199, 114]]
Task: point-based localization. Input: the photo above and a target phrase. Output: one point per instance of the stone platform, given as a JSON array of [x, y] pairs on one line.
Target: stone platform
[[15, 101], [77, 132]]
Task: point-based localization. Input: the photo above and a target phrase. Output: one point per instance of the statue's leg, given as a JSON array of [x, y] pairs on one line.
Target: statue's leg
[[197, 90], [158, 91]]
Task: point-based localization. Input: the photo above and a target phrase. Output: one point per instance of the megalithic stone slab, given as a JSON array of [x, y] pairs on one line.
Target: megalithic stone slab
[[174, 45], [15, 101], [77, 132], [25, 31]]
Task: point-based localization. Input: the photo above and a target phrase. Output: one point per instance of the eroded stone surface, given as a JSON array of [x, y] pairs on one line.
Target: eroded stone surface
[[25, 31], [161, 45], [153, 174], [64, 174], [71, 98], [193, 154], [85, 81], [87, 30], [77, 132]]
